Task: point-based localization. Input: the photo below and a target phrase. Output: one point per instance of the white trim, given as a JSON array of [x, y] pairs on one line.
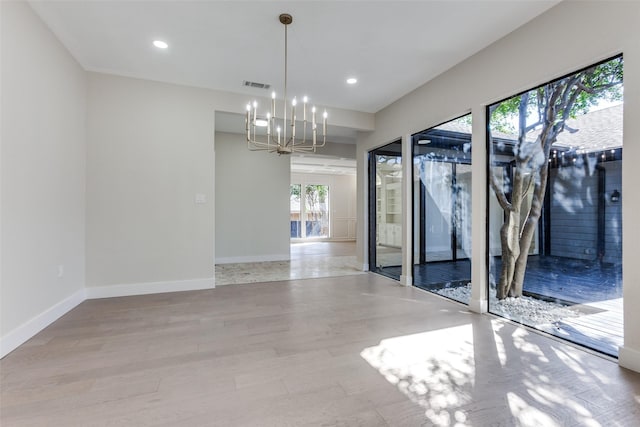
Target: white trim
[[256, 258], [478, 305], [479, 220], [407, 211], [362, 210], [149, 288], [406, 280], [299, 240], [31, 327], [629, 358]]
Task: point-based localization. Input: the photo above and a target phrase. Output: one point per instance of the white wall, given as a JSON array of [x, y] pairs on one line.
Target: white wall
[[342, 201], [42, 176], [347, 151], [150, 151], [252, 202], [567, 37]]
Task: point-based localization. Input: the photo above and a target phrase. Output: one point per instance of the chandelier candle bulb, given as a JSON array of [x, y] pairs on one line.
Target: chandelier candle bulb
[[304, 108], [324, 123], [273, 104], [293, 121], [268, 127], [255, 111], [293, 110], [248, 121]]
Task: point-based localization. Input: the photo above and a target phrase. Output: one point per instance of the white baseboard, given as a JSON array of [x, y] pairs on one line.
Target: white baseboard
[[27, 330], [149, 288], [629, 358], [30, 328], [256, 258], [406, 280]]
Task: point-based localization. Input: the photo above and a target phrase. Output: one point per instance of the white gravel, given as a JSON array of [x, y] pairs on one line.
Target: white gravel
[[528, 310]]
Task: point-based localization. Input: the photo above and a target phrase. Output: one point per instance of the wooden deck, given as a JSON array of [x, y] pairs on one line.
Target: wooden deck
[[601, 331]]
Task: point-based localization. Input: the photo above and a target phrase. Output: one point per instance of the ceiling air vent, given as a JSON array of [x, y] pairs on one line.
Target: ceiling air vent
[[256, 84]]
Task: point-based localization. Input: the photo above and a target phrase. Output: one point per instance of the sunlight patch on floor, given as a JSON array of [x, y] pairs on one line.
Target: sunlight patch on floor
[[521, 410], [434, 369], [437, 370]]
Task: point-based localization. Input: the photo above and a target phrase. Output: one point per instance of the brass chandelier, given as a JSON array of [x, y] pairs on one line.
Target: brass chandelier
[[278, 139]]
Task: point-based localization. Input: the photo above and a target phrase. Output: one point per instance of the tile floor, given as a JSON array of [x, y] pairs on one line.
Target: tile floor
[[308, 261]]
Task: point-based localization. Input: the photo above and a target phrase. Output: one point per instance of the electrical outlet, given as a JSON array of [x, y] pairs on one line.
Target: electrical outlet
[[60, 270]]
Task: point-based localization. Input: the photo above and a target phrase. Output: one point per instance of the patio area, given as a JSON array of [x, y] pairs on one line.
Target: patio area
[[591, 289]]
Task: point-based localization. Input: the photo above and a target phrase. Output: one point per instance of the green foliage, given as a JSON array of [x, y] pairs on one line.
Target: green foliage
[[316, 193], [504, 116], [294, 191], [464, 120], [601, 82]]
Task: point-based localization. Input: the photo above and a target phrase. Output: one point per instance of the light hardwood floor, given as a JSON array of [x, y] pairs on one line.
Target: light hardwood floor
[[348, 351]]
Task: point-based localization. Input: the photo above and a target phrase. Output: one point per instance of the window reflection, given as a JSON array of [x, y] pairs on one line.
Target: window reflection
[[442, 209]]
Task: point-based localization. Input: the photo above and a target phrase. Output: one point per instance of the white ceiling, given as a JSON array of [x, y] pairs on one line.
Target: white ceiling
[[391, 46]]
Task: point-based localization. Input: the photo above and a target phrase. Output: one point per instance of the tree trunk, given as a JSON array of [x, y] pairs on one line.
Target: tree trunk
[[529, 231], [509, 239], [510, 235]]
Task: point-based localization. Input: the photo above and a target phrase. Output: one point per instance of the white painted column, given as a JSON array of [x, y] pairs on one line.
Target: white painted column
[[362, 208], [213, 196], [406, 278], [479, 219], [629, 353]]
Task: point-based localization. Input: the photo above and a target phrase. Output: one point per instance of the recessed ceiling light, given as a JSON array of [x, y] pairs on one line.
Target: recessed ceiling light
[[160, 44], [352, 80]]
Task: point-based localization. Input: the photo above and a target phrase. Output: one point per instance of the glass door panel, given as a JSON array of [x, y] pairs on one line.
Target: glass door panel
[[294, 211], [316, 210], [385, 213], [442, 209], [437, 179], [463, 211]]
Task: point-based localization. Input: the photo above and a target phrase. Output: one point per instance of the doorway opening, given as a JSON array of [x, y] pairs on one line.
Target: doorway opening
[[309, 207]]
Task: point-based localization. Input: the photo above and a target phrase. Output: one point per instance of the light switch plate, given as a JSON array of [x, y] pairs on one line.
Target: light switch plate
[[201, 198]]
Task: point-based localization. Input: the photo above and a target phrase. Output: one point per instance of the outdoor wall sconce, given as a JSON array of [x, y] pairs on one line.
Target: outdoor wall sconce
[[615, 196]]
